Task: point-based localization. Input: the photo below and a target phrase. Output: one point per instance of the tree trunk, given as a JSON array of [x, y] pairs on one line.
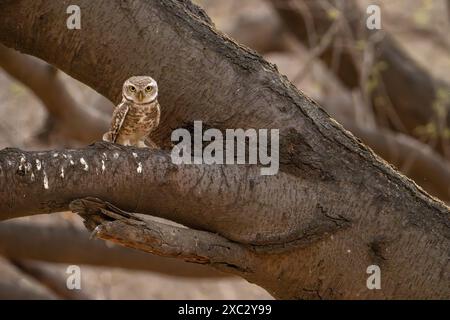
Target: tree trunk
[[309, 232]]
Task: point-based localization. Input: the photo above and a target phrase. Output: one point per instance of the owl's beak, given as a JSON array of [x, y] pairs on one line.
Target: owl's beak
[[140, 96]]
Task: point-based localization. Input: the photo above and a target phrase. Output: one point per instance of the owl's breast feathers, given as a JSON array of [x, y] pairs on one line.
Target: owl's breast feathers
[[135, 120]]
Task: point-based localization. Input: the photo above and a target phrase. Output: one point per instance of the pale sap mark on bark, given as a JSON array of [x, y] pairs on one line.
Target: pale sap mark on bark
[[9, 163], [24, 164], [62, 173], [64, 156], [103, 165], [116, 155], [84, 163], [55, 154], [134, 155], [105, 156], [71, 162], [32, 176], [38, 165], [45, 180], [139, 168]]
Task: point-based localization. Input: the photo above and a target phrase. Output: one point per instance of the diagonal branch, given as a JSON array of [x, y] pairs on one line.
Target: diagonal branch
[[83, 123]]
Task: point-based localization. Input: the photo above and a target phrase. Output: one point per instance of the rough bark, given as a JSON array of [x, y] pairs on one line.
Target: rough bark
[[334, 208], [22, 241], [401, 85]]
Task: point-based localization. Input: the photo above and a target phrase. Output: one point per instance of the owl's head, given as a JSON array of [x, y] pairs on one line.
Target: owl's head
[[140, 89]]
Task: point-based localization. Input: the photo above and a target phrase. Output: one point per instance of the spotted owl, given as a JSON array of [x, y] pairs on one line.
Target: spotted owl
[[137, 115]]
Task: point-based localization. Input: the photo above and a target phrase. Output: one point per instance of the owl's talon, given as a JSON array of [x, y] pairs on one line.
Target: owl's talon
[[107, 137], [141, 144]]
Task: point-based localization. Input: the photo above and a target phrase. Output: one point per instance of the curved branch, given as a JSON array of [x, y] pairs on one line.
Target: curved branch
[[82, 123]]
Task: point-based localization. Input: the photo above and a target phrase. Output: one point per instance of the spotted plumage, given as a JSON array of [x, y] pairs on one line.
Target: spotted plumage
[[137, 115]]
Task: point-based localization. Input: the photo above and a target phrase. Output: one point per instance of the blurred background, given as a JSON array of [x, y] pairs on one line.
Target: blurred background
[[390, 88]]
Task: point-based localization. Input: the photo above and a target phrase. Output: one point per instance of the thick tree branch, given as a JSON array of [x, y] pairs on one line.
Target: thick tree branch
[[21, 241], [44, 182], [333, 209], [111, 223], [169, 187]]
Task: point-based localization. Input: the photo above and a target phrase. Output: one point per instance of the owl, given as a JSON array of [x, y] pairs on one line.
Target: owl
[[137, 115]]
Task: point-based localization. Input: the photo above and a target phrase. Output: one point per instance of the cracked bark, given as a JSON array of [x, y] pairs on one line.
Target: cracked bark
[[312, 227], [22, 241]]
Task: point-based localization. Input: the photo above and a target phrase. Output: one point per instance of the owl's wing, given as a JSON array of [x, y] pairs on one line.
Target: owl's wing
[[119, 115]]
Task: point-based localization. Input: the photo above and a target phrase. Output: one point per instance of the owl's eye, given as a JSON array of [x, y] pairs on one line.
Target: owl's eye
[[148, 88], [132, 88]]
